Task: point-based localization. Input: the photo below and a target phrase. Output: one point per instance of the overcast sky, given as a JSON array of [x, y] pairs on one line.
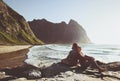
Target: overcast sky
[[100, 18]]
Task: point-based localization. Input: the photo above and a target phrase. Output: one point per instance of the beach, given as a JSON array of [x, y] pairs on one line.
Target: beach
[[14, 68], [13, 56], [8, 49]]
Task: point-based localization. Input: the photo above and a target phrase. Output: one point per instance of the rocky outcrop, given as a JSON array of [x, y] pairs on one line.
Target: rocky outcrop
[[13, 27], [58, 71], [59, 32]]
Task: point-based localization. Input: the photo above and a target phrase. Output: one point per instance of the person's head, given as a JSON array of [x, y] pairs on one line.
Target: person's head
[[74, 46], [79, 49]]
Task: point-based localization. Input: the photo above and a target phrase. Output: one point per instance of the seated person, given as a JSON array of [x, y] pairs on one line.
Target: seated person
[[72, 58], [76, 57]]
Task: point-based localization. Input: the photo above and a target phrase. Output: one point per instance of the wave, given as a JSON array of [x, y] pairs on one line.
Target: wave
[[56, 52], [58, 47]]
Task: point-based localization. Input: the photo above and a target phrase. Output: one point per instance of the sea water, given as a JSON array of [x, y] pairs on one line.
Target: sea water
[[56, 52]]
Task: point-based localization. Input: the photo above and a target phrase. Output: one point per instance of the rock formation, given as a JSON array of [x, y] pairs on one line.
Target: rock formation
[[58, 71], [50, 32], [13, 27]]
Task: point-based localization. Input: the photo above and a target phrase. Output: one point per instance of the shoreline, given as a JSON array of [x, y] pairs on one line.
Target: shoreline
[[13, 56], [13, 68], [8, 49]]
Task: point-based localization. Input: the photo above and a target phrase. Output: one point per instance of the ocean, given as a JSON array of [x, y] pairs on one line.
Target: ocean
[[55, 52]]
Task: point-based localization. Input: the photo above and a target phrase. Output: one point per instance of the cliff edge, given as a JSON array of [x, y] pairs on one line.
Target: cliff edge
[[13, 28], [50, 32]]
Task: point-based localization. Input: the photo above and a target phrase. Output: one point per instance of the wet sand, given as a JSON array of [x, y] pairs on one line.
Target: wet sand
[[13, 56]]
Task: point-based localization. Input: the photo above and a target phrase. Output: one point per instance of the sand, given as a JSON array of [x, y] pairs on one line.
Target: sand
[[13, 56], [7, 49]]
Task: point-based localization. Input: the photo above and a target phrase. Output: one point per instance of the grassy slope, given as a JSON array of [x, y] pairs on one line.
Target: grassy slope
[[14, 29]]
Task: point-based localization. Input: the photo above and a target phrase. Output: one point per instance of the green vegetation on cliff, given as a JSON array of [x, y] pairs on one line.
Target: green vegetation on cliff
[[14, 29]]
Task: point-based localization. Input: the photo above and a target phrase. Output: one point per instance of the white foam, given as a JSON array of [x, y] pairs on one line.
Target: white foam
[[44, 53]]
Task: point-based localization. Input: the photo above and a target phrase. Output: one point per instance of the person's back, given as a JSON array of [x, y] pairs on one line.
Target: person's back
[[73, 58]]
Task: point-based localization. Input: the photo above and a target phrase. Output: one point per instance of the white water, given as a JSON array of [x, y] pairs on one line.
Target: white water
[[56, 52]]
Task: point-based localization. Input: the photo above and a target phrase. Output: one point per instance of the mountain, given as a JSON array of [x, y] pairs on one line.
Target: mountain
[[50, 32], [13, 27]]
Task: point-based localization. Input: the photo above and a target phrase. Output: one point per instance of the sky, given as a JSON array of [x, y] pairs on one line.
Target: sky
[[100, 18]]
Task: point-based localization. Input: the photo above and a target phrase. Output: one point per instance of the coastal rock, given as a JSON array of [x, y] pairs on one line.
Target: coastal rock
[[32, 74], [27, 71], [50, 32], [113, 66], [13, 28], [63, 70], [54, 69], [59, 71]]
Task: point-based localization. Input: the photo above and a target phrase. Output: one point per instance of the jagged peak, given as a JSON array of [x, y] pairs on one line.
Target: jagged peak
[[45, 20], [63, 22], [38, 20], [72, 22], [75, 23], [59, 32]]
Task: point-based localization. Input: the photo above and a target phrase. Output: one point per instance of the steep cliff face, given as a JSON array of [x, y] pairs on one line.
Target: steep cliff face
[[13, 27], [50, 32]]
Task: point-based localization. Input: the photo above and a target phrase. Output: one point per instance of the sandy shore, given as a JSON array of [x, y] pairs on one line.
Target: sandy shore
[[7, 49], [13, 56]]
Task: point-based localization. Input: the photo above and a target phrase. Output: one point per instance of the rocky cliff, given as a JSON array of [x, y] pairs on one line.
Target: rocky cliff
[[13, 28], [59, 32]]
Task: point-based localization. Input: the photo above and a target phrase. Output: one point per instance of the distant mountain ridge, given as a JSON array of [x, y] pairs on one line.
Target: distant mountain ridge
[[50, 32], [13, 27]]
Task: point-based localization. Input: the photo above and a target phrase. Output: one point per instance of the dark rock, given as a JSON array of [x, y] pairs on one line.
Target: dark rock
[[113, 66], [8, 78], [50, 32], [58, 68], [27, 71], [32, 74], [54, 69]]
